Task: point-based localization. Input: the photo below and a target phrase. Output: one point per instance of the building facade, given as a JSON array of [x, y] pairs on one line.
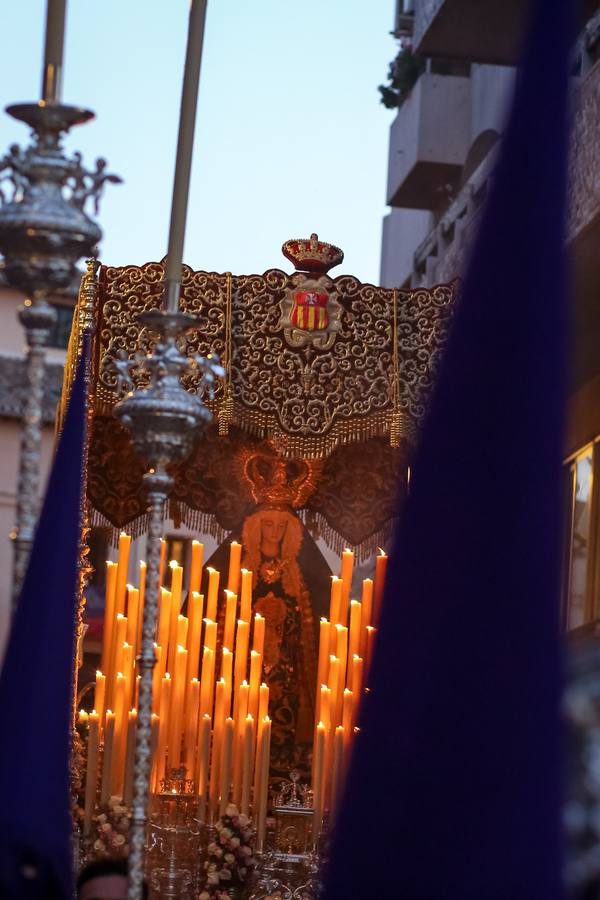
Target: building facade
[[443, 146]]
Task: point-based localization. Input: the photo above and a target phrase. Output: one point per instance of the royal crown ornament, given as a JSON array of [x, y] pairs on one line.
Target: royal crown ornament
[[312, 255]]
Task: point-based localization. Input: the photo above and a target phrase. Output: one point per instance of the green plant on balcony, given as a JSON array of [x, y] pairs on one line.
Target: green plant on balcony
[[403, 73]]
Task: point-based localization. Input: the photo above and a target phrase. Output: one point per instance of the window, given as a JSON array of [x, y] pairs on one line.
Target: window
[[61, 330]]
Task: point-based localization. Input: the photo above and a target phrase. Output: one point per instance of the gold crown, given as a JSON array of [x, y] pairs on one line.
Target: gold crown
[[274, 481], [312, 255]]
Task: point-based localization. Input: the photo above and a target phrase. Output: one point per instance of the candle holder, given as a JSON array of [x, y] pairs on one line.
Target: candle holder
[[175, 837], [44, 231], [162, 418]]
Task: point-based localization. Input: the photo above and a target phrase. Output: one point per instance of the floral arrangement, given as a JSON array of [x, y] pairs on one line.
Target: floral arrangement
[[112, 829], [230, 861]]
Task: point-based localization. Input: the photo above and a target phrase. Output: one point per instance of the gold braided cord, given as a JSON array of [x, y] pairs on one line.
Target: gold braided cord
[[225, 413]]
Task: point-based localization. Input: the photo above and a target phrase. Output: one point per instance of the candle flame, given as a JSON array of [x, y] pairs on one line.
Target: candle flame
[[99, 674], [173, 564]]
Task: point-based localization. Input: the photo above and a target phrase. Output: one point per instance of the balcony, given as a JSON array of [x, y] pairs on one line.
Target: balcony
[[429, 141], [483, 31]]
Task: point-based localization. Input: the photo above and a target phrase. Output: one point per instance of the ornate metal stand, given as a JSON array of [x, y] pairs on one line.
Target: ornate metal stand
[[44, 231], [162, 418]]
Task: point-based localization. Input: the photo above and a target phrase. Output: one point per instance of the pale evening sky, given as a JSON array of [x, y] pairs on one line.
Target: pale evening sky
[[290, 137]]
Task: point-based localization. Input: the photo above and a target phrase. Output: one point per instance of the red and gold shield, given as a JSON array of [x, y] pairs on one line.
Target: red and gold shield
[[310, 311]]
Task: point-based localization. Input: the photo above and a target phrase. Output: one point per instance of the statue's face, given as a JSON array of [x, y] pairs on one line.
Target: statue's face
[[273, 525]]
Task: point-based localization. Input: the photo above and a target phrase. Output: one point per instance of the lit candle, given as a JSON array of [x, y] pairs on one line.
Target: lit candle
[[109, 615], [258, 761], [176, 725], [133, 606], [207, 682], [323, 664], [122, 569], [163, 559], [333, 685], [99, 696], [347, 707], [235, 556], [185, 144], [164, 623], [347, 566], [263, 702], [258, 638], [335, 604], [119, 634], [143, 568], [212, 595], [225, 787], [109, 731], [196, 566], [130, 757], [53, 51], [120, 737], [380, 572], [156, 679], [176, 584], [163, 729], [366, 613], [354, 636], [317, 781], [357, 675], [246, 598], [241, 704], [202, 765], [83, 717], [154, 729], [182, 631], [91, 777], [195, 610], [210, 634], [192, 709], [255, 674], [342, 655], [264, 784], [247, 760], [230, 616], [242, 638], [227, 677], [218, 728], [127, 669]]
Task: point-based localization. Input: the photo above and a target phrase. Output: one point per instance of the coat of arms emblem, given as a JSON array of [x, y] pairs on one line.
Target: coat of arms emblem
[[310, 311]]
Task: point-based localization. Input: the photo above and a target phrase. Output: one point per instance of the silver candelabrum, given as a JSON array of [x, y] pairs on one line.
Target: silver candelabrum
[[163, 419], [44, 231]]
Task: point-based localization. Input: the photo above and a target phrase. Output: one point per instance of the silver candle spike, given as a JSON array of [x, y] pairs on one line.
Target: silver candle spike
[[44, 231]]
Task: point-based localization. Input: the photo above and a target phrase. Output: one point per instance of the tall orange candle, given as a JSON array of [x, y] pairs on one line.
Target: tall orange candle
[[371, 634], [207, 682], [202, 764], [127, 669], [247, 767], [323, 664], [196, 566], [338, 769], [230, 617], [380, 572], [212, 594], [210, 634], [227, 677], [163, 729], [357, 676], [182, 631], [317, 781], [120, 737], [366, 613], [258, 638], [109, 732], [91, 778], [347, 566], [195, 610], [133, 606], [235, 556], [156, 679], [333, 685], [176, 584], [353, 637], [246, 598], [109, 615], [255, 675], [142, 589], [192, 709], [335, 605], [241, 704], [225, 786], [342, 655], [119, 633], [164, 624], [129, 757], [163, 560], [176, 723], [347, 706], [99, 696], [122, 569], [217, 745], [242, 638], [264, 784], [263, 702]]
